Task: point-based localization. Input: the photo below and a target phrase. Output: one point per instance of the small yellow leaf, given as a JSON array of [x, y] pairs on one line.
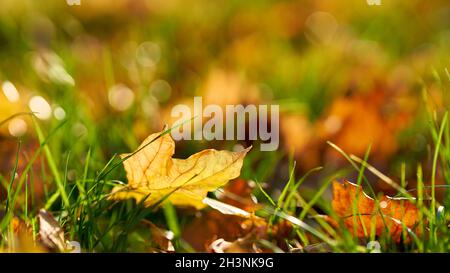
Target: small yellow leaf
[[153, 173]]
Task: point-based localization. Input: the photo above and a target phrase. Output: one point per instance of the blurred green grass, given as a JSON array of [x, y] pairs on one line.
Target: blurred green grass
[[303, 55]]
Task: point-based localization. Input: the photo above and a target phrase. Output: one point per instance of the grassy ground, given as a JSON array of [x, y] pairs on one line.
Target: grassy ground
[[383, 72]]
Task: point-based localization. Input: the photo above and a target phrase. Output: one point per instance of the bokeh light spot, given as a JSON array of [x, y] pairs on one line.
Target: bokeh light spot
[[59, 113], [120, 97], [148, 54], [17, 127], [40, 107], [161, 90], [10, 91]]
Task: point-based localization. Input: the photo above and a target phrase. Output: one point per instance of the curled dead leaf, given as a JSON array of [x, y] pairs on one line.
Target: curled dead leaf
[[52, 235]]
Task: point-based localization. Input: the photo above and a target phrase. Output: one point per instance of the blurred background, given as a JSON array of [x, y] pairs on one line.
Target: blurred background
[[341, 71]]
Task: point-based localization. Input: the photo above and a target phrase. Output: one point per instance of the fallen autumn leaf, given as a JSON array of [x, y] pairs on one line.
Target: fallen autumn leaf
[[153, 173]]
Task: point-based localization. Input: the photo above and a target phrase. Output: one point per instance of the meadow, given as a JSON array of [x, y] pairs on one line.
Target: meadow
[[87, 159]]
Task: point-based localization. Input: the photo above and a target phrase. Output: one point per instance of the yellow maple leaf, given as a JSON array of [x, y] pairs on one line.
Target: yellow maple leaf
[[153, 174]]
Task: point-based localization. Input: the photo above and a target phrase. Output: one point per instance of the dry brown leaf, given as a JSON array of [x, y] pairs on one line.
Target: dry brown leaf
[[153, 173], [238, 193], [229, 88], [231, 229], [20, 227], [161, 238], [212, 225], [391, 214], [300, 137], [234, 223], [52, 235], [241, 245], [229, 221], [251, 241], [353, 123]]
